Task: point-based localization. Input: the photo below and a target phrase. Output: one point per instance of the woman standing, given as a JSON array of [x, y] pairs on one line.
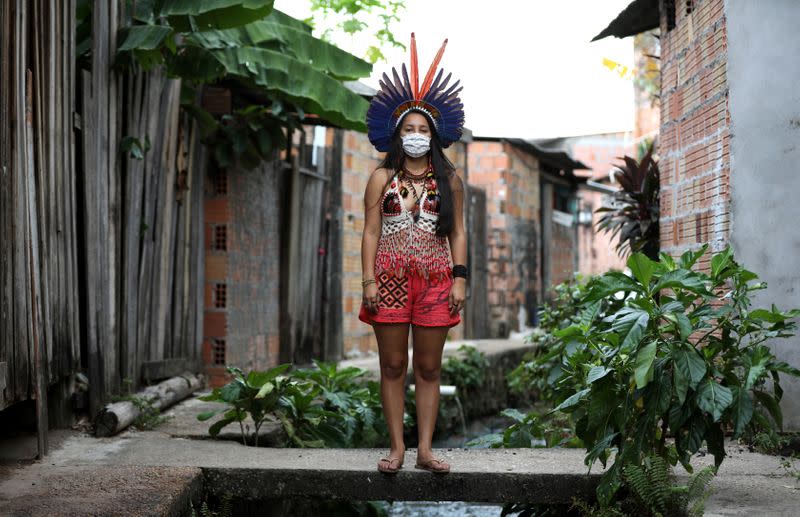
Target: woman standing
[[413, 234]]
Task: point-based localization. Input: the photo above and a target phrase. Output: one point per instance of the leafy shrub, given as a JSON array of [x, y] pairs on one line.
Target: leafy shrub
[[676, 352], [541, 368], [466, 372], [318, 407]]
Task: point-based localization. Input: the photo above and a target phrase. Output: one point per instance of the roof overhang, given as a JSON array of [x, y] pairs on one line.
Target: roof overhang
[[640, 16]]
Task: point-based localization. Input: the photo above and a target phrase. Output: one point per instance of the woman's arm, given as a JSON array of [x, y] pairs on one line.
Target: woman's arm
[[458, 243], [371, 234]]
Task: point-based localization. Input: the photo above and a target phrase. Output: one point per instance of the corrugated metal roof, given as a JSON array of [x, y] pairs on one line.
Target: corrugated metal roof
[[638, 17]]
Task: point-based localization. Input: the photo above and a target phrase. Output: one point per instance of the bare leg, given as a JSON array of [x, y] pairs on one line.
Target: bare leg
[[428, 346], [393, 356]]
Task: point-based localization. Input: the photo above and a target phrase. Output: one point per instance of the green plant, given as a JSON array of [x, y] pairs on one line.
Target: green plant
[[255, 395], [285, 71], [319, 407], [634, 217], [352, 414], [530, 430], [467, 372], [655, 489], [542, 367], [677, 352]]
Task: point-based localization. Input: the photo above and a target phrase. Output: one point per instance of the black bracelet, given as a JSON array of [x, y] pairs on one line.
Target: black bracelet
[[460, 270]]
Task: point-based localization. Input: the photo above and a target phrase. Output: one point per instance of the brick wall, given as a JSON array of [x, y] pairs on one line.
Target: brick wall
[[359, 159], [241, 277], [695, 122], [511, 181]]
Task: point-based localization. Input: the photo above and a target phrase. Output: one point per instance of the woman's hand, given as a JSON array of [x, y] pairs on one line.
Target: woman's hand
[[371, 298], [458, 293]]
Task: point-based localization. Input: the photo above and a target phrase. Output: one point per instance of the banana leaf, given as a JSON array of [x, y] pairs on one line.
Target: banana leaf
[[319, 54], [297, 83], [144, 37], [199, 15]]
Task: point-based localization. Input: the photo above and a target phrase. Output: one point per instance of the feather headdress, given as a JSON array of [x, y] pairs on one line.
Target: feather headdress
[[398, 97]]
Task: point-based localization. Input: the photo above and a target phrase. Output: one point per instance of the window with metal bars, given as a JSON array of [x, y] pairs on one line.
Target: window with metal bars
[[220, 295], [219, 352], [221, 182], [221, 237], [669, 8]]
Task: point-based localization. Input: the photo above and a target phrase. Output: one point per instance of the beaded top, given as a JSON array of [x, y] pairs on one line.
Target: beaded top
[[408, 241]]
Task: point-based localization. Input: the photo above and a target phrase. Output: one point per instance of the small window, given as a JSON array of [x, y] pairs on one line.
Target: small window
[[220, 295], [221, 237], [669, 7], [689, 7], [219, 352], [221, 183]]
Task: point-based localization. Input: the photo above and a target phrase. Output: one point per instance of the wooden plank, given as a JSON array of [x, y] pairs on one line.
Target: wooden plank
[[20, 269], [6, 228], [70, 205], [131, 224], [111, 203], [197, 265], [164, 225], [35, 323], [333, 338]]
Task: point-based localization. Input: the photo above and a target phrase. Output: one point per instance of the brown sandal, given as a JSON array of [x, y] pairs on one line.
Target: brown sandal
[[389, 469], [429, 466]]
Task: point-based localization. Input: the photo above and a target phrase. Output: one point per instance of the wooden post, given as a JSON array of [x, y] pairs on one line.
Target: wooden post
[[332, 337]]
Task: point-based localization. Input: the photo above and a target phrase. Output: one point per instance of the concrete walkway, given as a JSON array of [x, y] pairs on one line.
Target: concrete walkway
[[155, 473]]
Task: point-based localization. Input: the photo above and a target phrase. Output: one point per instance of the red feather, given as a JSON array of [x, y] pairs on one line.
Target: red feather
[[414, 69], [429, 78]]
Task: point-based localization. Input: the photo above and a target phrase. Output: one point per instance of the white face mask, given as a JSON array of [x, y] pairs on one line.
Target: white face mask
[[416, 144]]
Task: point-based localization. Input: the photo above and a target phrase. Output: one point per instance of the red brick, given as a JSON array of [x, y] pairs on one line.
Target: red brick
[[217, 210], [215, 324], [216, 267]]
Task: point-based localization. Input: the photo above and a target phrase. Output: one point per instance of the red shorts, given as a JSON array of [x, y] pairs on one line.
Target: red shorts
[[411, 299]]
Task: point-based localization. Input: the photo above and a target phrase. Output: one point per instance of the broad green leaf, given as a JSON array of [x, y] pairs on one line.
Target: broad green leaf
[[690, 364], [301, 45], [714, 398], [643, 372], [689, 257], [194, 15], [721, 260], [757, 364], [589, 313], [514, 414], [217, 426], [641, 267], [208, 414], [144, 37], [611, 283], [682, 324], [742, 410], [630, 324], [298, 83], [772, 405], [230, 392], [667, 261], [680, 380], [682, 279], [597, 372], [572, 401], [266, 389]]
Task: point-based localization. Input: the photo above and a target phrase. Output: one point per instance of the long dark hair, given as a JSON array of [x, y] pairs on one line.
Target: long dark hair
[[442, 167]]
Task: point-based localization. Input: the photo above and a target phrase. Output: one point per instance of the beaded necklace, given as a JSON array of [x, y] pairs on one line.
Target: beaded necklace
[[427, 177]]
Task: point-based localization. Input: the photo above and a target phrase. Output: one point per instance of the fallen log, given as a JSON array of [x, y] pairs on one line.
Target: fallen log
[[116, 416]]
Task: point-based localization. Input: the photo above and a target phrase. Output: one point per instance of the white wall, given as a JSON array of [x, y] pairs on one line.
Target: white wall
[[764, 88]]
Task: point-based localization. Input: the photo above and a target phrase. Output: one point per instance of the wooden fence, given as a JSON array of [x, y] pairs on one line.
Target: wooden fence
[[39, 283], [101, 257]]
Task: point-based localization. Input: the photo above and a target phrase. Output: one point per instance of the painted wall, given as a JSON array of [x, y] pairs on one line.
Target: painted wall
[[764, 84]]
